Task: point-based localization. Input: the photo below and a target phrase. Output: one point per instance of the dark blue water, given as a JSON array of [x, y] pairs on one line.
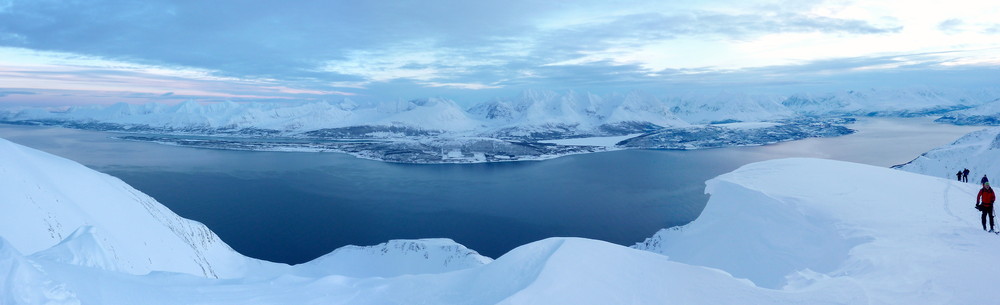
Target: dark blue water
[[293, 207], [298, 214]]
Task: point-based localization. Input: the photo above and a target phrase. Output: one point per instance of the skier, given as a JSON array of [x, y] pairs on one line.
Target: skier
[[959, 176], [984, 180], [984, 203], [965, 175]]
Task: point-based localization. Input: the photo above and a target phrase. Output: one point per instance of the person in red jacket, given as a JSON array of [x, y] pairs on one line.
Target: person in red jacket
[[984, 202]]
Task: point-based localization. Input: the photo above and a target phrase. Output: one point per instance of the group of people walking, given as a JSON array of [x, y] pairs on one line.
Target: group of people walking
[[963, 175]]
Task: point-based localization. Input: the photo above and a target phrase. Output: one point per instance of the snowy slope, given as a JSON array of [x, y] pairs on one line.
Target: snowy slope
[[802, 224], [546, 115], [24, 283], [540, 107], [886, 102], [551, 271], [985, 114], [193, 116], [639, 107], [394, 258], [431, 113], [586, 111], [978, 151], [730, 106], [47, 199]]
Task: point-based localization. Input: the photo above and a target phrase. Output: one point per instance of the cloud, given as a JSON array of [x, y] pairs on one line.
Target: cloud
[[274, 39], [470, 86], [7, 93], [316, 48], [123, 80], [279, 39], [11, 38], [735, 26], [993, 29], [498, 59], [950, 25]]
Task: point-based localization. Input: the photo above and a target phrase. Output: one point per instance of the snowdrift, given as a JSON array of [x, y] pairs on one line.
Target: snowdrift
[[804, 224]]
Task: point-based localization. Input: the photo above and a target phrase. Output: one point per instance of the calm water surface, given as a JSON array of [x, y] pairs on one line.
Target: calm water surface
[[292, 207]]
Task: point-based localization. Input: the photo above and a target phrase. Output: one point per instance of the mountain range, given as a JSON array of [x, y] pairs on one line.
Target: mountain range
[[438, 130], [584, 112]]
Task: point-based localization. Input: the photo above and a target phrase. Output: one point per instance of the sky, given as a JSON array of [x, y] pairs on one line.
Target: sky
[[68, 52]]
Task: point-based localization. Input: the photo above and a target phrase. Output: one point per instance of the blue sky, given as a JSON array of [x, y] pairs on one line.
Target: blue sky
[[55, 52]]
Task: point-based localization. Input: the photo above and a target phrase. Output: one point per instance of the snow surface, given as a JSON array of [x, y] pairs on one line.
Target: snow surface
[[888, 102], [886, 236], [51, 202], [731, 106], [593, 141], [394, 258], [789, 231], [747, 125], [978, 151], [986, 114]]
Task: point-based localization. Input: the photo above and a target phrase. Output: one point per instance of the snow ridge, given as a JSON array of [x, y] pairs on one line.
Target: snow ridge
[[977, 151], [24, 283], [394, 258], [51, 200]]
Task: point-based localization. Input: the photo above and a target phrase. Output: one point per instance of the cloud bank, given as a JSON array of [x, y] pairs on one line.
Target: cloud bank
[[317, 49]]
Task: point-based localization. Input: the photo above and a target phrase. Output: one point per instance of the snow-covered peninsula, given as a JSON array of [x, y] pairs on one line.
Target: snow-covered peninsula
[[789, 231]]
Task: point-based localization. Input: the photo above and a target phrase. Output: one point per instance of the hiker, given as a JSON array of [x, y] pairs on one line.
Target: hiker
[[965, 175], [984, 203], [959, 176], [984, 180]]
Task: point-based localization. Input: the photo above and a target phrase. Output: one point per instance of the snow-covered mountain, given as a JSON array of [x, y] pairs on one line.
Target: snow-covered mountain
[[568, 114], [865, 234], [730, 107], [437, 130], [394, 258], [431, 113], [791, 231], [190, 116], [985, 114], [574, 114], [533, 112], [67, 212], [978, 151], [887, 102]]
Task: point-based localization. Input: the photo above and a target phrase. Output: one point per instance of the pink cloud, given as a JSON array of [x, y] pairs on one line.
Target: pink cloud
[[109, 85]]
